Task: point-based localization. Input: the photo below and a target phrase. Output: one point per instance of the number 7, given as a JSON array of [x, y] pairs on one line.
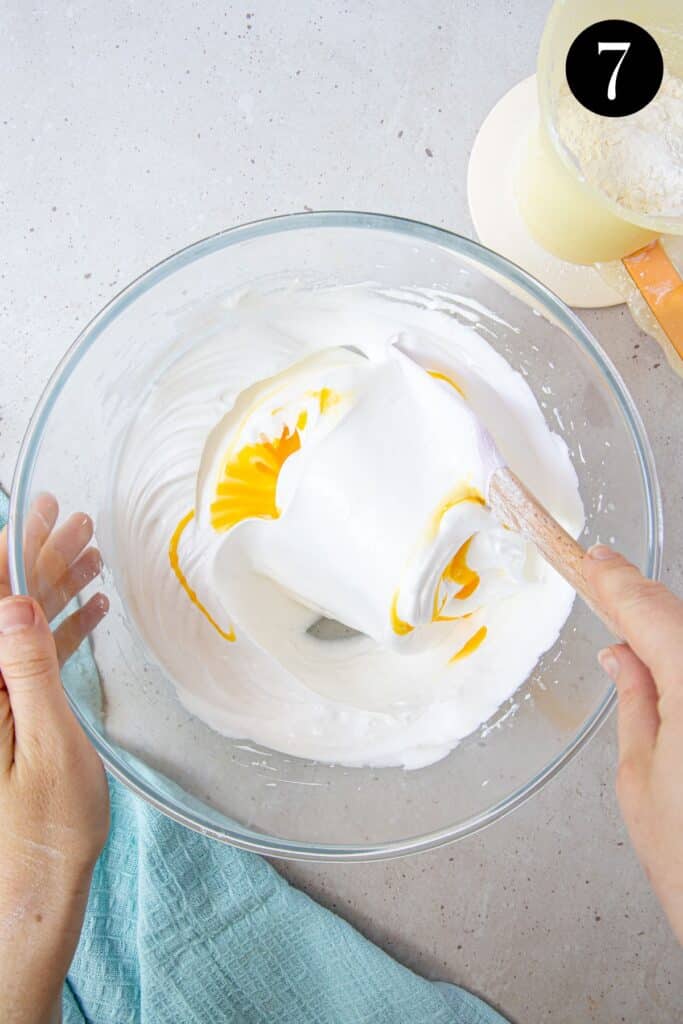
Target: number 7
[[624, 47]]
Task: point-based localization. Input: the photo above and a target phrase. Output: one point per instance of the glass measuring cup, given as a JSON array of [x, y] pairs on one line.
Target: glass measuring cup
[[564, 212]]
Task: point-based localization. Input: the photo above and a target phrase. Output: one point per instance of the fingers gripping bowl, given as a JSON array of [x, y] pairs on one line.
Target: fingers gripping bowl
[[235, 789]]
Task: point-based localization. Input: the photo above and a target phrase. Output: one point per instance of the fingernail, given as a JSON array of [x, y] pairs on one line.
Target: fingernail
[[601, 552], [608, 662], [16, 613]]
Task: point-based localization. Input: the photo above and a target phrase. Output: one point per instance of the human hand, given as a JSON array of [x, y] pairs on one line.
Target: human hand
[[648, 673], [59, 565], [53, 793]]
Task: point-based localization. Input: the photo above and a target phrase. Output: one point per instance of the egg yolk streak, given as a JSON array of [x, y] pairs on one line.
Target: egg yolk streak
[[182, 579], [459, 573], [475, 641], [247, 489], [248, 483], [437, 375]]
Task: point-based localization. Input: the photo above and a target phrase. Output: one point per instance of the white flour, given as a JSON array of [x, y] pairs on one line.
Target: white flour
[[636, 160]]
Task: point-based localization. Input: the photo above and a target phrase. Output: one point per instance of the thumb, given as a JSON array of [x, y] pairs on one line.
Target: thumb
[[29, 668], [649, 617]]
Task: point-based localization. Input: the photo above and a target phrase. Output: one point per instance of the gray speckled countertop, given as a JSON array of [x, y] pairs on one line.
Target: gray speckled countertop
[[130, 130]]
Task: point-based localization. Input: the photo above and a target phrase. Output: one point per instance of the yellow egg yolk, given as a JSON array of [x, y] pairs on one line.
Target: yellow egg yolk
[[475, 641], [247, 489], [248, 483], [397, 624], [458, 572], [182, 579], [437, 375]]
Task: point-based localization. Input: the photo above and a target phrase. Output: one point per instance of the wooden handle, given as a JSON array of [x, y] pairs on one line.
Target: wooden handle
[[515, 506]]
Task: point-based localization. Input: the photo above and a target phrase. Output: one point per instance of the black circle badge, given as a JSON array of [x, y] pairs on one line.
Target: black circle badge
[[614, 68]]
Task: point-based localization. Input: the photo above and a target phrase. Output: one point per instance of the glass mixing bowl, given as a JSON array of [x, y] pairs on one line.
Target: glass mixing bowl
[[232, 789]]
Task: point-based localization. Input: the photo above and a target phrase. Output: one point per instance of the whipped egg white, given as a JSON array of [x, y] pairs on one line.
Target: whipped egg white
[[302, 534]]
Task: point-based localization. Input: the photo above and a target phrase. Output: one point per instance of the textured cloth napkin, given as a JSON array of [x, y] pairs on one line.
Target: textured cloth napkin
[[181, 929]]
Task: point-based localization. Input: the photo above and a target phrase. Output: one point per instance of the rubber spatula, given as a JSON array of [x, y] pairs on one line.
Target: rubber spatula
[[515, 506]]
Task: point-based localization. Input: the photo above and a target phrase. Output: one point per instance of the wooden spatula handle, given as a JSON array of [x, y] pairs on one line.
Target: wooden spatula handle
[[515, 506]]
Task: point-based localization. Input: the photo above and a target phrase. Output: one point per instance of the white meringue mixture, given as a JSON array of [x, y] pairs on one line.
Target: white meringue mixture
[[302, 535]]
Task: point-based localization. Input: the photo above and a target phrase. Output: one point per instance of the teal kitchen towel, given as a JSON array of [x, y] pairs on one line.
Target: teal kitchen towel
[[181, 929]]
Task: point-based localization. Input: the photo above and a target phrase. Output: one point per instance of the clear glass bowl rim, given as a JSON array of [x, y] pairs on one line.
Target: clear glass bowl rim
[[240, 836]]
